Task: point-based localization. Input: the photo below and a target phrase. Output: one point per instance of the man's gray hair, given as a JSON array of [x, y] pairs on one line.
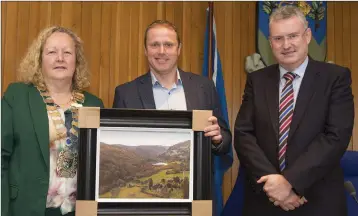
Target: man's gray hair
[[286, 12]]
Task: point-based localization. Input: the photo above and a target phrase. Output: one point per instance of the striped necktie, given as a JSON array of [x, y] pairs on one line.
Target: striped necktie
[[285, 117]]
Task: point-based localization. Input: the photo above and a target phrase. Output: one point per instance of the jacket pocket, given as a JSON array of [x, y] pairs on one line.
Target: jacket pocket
[[13, 191]]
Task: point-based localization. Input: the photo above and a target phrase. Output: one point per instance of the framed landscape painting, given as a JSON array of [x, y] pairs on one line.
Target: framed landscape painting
[[142, 162], [144, 165]]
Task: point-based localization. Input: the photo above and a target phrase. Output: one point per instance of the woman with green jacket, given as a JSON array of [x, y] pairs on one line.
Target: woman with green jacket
[[39, 140]]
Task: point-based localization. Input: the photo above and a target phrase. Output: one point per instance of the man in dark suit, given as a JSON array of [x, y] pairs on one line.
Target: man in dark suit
[[166, 87], [293, 127]]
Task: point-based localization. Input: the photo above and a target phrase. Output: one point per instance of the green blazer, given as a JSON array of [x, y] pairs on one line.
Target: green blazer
[[25, 150]]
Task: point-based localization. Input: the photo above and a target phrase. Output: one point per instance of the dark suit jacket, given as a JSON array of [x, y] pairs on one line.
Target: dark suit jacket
[[25, 150], [319, 135], [200, 94]]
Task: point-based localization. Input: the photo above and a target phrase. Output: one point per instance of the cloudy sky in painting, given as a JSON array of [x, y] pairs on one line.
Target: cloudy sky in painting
[[144, 136]]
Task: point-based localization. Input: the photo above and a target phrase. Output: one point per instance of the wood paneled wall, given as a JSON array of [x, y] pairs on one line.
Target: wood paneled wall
[[342, 47], [113, 35], [112, 32]]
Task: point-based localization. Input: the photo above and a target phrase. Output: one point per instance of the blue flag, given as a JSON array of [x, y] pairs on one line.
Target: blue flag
[[224, 162]]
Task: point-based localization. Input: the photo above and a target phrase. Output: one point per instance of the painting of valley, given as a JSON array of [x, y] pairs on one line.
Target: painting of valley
[[144, 165]]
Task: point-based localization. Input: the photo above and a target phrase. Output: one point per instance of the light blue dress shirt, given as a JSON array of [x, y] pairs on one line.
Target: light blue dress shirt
[[169, 99], [300, 72]]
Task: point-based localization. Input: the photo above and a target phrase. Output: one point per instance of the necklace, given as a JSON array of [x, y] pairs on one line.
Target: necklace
[[66, 165]]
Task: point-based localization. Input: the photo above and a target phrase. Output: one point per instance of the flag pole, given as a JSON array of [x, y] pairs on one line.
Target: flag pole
[[210, 41]]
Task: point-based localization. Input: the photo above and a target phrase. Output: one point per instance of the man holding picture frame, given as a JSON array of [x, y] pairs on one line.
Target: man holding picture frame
[[166, 87]]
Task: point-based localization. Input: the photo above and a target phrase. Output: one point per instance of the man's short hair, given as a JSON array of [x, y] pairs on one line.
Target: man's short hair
[[163, 23], [286, 12]]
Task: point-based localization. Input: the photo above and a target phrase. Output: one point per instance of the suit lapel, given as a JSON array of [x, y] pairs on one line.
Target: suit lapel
[[40, 121], [306, 91], [145, 89], [272, 96], [190, 90]]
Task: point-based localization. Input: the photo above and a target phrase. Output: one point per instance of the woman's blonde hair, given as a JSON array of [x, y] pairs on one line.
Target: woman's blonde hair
[[30, 70]]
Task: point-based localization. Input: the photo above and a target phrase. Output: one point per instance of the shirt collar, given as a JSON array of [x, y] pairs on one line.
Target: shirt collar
[[300, 71], [156, 82]]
